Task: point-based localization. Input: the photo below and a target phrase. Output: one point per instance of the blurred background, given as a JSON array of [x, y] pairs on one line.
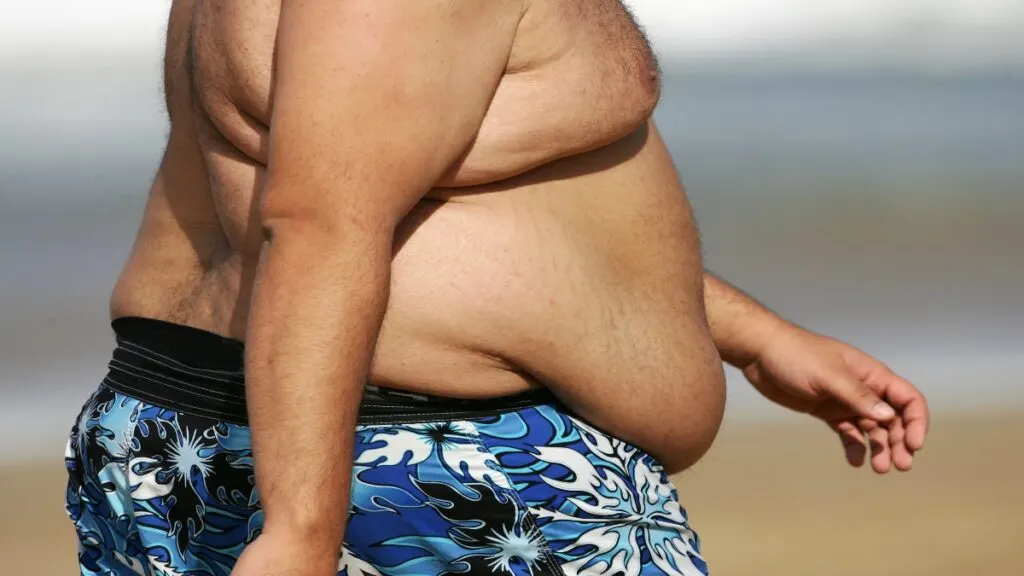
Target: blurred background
[[857, 165]]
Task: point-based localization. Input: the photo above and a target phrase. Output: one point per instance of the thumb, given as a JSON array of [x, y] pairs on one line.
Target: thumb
[[859, 397]]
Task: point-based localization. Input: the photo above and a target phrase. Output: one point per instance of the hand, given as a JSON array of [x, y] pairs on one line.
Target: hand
[[279, 555], [855, 394]]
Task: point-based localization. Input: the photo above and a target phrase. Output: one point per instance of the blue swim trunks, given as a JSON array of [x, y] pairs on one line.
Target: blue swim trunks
[[161, 478]]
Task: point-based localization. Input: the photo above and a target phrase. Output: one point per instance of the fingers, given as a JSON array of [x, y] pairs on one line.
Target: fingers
[[878, 442], [859, 397], [895, 428], [914, 411], [917, 428], [853, 442], [885, 446], [902, 457]]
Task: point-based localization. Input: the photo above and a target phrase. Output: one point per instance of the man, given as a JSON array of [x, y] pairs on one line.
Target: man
[[466, 205]]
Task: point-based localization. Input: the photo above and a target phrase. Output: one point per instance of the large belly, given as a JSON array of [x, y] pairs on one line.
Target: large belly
[[582, 276]]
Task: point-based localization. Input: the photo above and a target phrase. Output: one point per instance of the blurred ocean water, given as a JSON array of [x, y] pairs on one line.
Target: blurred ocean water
[[884, 208]]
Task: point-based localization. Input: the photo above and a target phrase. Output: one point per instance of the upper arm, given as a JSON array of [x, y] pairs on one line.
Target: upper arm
[[374, 99]]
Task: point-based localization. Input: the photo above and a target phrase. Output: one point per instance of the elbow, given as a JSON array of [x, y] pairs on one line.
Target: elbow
[[322, 220], [278, 217], [313, 245], [280, 214]]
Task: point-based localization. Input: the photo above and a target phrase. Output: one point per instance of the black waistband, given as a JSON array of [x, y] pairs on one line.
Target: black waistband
[[190, 370]]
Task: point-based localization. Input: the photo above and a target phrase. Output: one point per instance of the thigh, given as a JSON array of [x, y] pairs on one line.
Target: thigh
[[429, 499], [604, 506], [155, 491], [193, 491], [97, 497]]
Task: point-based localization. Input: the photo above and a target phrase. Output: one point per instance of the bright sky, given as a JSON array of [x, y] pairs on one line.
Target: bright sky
[[694, 27]]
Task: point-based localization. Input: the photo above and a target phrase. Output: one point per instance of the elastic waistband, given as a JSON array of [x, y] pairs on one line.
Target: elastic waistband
[[190, 370]]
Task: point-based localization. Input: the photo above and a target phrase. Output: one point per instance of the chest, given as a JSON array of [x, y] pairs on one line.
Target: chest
[[231, 43], [575, 63]]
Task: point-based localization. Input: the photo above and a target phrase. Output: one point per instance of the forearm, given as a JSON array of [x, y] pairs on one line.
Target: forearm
[[317, 306], [740, 326]]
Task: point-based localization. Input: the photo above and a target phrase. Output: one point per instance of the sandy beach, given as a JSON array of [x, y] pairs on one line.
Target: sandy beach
[[782, 501], [767, 500]]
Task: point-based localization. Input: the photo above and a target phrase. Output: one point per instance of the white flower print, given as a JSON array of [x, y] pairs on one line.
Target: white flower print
[[185, 455], [512, 545], [454, 444], [626, 500]]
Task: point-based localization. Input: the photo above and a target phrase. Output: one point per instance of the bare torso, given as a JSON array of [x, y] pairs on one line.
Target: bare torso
[[560, 251]]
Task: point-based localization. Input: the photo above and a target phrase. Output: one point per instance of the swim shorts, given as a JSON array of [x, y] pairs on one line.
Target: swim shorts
[[161, 478]]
